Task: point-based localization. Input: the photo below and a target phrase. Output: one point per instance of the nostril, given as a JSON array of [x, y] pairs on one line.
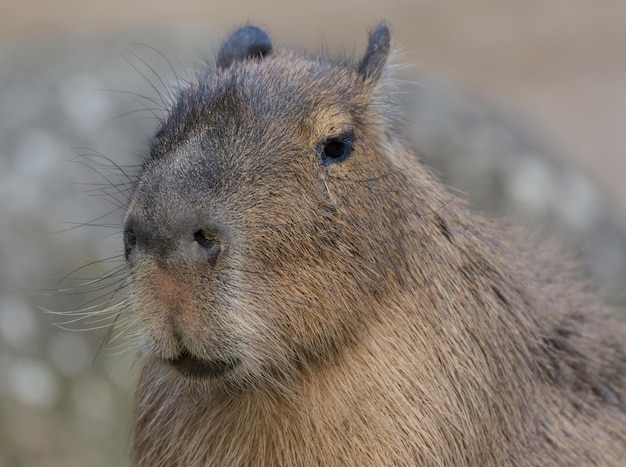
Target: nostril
[[130, 242], [207, 238]]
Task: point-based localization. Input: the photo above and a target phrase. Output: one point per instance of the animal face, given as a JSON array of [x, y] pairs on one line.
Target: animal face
[[255, 239]]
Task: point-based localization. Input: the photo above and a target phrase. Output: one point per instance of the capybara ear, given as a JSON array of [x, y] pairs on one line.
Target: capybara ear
[[246, 42], [373, 63]]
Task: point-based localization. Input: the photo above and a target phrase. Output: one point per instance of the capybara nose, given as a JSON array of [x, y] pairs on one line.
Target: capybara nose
[[207, 242], [192, 241]]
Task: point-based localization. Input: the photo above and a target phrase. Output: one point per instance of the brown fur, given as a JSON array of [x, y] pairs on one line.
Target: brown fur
[[375, 320]]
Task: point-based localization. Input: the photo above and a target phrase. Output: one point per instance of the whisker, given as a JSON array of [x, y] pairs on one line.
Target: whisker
[[165, 102], [137, 97], [164, 57], [90, 264]]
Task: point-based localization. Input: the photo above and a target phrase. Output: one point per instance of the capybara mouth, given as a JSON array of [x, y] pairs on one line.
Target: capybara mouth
[[193, 367]]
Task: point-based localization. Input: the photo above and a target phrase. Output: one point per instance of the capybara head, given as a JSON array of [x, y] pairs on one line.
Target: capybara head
[[268, 214]]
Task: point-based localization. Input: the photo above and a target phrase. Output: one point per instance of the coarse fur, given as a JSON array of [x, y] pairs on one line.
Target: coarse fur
[[299, 308]]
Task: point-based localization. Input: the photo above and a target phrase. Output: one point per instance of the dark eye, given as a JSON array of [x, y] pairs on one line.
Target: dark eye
[[336, 149], [130, 241]]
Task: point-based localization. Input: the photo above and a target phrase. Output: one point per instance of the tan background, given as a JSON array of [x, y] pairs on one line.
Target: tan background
[[559, 63]]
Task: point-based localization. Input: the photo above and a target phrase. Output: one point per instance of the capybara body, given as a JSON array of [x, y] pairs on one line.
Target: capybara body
[[307, 292]]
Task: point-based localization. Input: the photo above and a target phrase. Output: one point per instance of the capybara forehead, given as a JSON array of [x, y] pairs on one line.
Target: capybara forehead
[[276, 95]]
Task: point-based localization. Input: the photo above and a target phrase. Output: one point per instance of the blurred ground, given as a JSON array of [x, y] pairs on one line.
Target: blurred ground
[[520, 104]]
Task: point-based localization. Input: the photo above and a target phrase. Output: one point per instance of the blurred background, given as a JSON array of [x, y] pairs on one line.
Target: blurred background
[[520, 105]]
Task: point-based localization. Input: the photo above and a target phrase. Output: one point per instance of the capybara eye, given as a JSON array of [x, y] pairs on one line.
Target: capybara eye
[[130, 242], [336, 150]]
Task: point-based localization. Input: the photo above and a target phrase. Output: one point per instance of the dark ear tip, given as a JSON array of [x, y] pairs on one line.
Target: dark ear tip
[[377, 52], [381, 36], [249, 41], [248, 34]]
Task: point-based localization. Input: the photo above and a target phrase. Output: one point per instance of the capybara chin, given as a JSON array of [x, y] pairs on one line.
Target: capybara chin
[[308, 293]]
